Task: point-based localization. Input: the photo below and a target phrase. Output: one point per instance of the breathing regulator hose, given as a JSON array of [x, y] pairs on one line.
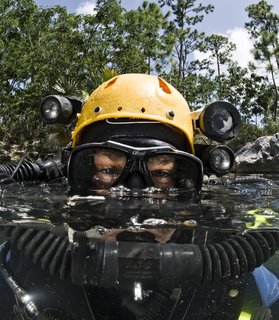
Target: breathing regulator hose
[[171, 264], [26, 170], [95, 262]]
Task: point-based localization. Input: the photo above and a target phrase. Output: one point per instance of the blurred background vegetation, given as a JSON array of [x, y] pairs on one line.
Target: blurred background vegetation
[[50, 51]]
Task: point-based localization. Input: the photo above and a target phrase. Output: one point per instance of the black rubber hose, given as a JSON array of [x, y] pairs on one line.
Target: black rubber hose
[[26, 171], [42, 246], [227, 260], [239, 255]]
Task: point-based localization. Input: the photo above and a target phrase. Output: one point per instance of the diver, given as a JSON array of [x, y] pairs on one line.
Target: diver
[[134, 133]]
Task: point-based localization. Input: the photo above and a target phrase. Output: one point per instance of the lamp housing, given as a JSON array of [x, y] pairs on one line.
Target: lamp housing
[[217, 159], [59, 109], [219, 121]]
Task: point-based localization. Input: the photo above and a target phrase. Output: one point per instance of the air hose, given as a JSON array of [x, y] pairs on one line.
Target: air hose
[[26, 170], [103, 263]]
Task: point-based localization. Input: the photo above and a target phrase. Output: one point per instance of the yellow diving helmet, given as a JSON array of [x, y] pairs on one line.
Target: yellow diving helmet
[[137, 96]]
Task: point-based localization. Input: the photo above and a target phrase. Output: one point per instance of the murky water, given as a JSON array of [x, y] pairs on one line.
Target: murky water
[[235, 206]]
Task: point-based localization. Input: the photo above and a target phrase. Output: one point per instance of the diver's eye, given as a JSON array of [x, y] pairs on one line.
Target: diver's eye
[[162, 178], [160, 174], [110, 171], [106, 177]]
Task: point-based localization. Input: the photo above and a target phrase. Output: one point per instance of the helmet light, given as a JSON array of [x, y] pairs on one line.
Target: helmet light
[[56, 109], [219, 121], [59, 109], [217, 160], [51, 110], [220, 159]]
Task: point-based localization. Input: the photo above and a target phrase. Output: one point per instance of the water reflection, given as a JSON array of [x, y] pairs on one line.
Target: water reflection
[[135, 234], [234, 205]]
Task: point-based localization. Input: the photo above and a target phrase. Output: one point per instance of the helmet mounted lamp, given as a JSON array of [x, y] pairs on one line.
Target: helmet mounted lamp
[[219, 121], [217, 160], [59, 109]]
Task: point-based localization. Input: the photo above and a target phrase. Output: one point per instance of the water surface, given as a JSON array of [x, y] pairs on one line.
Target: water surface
[[228, 207]]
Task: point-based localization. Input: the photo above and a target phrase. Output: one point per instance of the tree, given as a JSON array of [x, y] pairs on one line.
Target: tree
[[220, 49], [40, 51], [143, 46], [185, 14], [101, 34], [263, 28]]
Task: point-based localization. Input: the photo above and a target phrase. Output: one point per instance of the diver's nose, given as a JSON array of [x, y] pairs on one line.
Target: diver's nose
[[135, 180]]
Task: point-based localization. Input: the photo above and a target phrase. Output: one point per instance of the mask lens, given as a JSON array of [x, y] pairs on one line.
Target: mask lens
[[170, 170], [162, 170], [96, 167]]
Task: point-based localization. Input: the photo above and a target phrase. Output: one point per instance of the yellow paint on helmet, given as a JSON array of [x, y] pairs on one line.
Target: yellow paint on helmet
[[137, 96]]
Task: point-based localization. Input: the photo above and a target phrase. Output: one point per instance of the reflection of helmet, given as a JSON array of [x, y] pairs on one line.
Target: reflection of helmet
[[137, 96]]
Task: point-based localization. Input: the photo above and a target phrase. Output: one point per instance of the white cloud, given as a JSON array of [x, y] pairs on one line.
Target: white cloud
[[244, 45], [86, 7], [242, 55]]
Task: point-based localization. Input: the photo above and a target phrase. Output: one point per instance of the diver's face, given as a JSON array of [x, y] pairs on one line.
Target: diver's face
[[110, 164]]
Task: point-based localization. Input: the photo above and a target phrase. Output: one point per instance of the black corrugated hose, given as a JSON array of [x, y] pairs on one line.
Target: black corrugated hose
[[229, 259], [26, 170]]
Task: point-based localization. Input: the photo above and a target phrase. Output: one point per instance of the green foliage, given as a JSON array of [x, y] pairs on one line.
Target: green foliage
[[50, 51], [221, 49], [271, 127], [263, 28], [185, 15]]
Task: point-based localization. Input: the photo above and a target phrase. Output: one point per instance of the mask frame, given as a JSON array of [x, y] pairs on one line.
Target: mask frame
[[137, 159]]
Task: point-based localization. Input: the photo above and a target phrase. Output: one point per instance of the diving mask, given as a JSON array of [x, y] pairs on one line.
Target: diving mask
[[95, 166]]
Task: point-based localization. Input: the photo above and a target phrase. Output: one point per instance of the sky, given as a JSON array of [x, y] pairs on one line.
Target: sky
[[228, 19]]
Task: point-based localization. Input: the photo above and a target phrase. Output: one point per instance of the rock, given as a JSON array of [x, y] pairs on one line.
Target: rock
[[260, 156]]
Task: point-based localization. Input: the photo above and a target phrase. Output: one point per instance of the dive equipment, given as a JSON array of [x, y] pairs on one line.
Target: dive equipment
[[26, 170], [96, 262], [138, 133], [219, 121], [218, 159], [103, 165], [143, 97], [59, 109], [137, 96], [132, 108]]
